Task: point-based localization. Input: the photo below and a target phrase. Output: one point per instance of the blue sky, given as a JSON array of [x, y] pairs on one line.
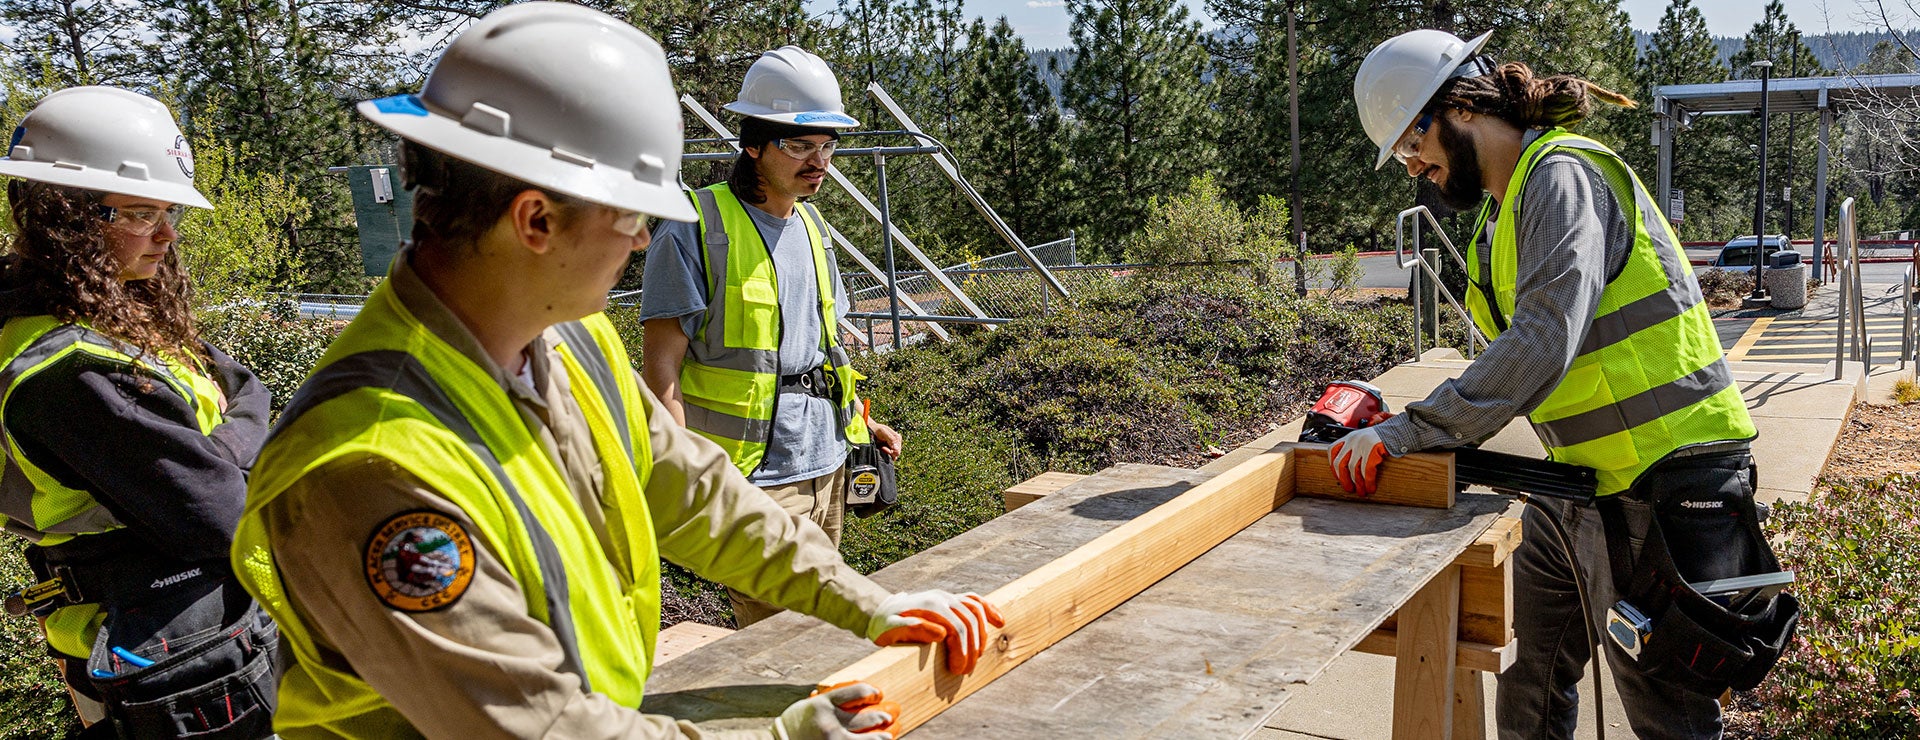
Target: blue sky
[[1043, 23]]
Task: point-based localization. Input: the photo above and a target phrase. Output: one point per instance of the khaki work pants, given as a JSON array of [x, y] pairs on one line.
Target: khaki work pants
[[823, 501]]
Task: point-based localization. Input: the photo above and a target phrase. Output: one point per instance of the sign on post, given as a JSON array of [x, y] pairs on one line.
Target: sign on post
[[1677, 206], [382, 212]]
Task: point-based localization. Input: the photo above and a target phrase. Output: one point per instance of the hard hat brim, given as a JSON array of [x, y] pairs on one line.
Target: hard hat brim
[[105, 182], [815, 118], [599, 183], [1433, 86]]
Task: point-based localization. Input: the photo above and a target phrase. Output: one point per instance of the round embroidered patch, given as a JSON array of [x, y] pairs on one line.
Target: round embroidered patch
[[419, 561]]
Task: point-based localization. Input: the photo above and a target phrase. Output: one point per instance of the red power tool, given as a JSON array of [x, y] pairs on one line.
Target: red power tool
[[1347, 405]]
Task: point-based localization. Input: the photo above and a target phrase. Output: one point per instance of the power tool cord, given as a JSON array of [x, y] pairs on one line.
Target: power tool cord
[[1596, 650]]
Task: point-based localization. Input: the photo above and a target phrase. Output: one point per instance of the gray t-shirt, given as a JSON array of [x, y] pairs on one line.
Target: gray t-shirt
[[807, 441]]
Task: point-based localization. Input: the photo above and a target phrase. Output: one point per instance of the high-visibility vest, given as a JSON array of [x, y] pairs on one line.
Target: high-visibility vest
[[33, 504], [1650, 377], [389, 388], [730, 380]]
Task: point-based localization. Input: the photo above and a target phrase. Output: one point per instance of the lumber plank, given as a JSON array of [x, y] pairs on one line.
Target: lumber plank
[[1058, 598], [1423, 671], [1030, 490], [1494, 546], [1486, 605], [1469, 705], [683, 638], [1466, 655], [1419, 479]]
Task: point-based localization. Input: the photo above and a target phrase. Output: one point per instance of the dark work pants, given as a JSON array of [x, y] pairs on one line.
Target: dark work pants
[[1538, 698]]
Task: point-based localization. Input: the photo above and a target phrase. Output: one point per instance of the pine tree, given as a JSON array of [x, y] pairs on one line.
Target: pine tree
[[1008, 133], [1142, 111], [1790, 159], [1707, 157], [84, 42]]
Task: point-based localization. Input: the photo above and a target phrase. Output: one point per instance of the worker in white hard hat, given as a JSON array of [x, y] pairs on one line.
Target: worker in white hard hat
[[127, 436], [740, 307], [459, 518], [1601, 339]]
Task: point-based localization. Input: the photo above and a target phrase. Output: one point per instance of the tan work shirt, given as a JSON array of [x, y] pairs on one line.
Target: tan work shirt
[[482, 667]]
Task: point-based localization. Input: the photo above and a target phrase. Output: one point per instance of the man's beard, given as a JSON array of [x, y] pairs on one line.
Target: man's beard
[[1464, 187]]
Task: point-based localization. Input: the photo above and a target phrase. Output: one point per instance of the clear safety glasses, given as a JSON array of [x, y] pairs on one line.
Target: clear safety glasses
[[802, 150], [631, 223], [1408, 146], [141, 221]]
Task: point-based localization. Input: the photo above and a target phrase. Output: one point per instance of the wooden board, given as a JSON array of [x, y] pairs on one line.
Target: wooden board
[[1419, 479], [1423, 671], [1216, 648], [682, 638], [743, 680], [1030, 490], [1062, 596]]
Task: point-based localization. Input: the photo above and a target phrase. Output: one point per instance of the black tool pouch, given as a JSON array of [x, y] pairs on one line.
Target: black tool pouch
[[211, 673], [872, 482], [1700, 524]]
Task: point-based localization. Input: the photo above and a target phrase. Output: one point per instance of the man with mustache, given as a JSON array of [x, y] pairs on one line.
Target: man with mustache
[[740, 307], [1601, 339]]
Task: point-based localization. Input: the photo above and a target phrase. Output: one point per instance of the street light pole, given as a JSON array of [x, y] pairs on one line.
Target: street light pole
[[1759, 296]]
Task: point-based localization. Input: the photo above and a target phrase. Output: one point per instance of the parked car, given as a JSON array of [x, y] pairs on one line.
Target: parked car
[[1739, 251]]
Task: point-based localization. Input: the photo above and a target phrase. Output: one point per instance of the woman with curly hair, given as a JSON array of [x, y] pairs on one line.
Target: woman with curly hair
[[127, 437]]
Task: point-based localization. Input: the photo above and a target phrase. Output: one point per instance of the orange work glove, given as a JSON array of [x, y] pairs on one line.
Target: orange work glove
[[1357, 459], [959, 620], [848, 711]]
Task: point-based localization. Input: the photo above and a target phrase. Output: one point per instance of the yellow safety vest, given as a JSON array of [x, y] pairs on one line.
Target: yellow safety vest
[[730, 380], [33, 504], [389, 388], [1650, 377]]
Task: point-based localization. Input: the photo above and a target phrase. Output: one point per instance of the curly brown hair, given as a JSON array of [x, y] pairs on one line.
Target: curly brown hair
[[1513, 93], [61, 258]]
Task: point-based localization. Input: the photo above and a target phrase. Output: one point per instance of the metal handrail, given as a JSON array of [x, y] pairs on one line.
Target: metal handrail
[[1909, 322], [1475, 339], [1850, 341]]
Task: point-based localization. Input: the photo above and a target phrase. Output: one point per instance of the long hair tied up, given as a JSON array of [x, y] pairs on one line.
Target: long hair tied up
[[1516, 95]]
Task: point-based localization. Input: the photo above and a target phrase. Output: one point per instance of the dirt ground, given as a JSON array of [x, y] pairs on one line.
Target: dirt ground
[[1876, 441]]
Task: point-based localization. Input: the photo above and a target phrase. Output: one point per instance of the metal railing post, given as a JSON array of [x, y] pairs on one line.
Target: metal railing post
[[1475, 339], [1431, 256]]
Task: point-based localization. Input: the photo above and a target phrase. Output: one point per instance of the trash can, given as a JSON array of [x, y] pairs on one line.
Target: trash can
[[1788, 286], [1782, 259]]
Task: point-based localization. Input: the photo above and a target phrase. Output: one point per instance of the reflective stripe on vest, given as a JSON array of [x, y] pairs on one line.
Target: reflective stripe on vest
[[729, 382], [1650, 376], [33, 504], [388, 388]]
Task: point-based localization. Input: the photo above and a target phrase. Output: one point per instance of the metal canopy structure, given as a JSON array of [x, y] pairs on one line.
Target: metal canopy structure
[[1677, 105]]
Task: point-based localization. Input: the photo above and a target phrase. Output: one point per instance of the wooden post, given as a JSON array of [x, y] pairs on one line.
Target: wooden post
[[1424, 669]]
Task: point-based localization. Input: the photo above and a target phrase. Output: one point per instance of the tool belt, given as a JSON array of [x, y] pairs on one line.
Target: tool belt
[[183, 650], [1690, 519], [816, 382], [111, 567]]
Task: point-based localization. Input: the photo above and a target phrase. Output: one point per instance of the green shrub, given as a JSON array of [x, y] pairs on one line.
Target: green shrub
[[1346, 271], [1724, 287], [33, 699], [270, 338], [1855, 667]]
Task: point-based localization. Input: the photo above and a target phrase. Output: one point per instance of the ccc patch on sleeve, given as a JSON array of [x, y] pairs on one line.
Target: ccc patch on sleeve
[[419, 561]]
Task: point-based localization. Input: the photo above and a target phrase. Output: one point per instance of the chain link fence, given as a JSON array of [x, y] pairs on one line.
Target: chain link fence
[[1004, 286]]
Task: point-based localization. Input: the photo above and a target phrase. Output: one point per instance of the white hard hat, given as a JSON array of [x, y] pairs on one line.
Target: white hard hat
[[563, 97], [1400, 75], [105, 139], [791, 85]]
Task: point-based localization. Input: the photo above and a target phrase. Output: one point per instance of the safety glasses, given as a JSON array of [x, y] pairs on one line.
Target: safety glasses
[[1408, 146], [802, 150], [631, 223], [141, 221]]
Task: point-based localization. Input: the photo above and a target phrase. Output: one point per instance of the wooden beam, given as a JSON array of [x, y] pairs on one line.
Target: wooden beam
[[1467, 655], [1053, 601], [682, 638], [1494, 546], [1419, 479], [1423, 670], [1032, 489], [1486, 605], [1469, 705]]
